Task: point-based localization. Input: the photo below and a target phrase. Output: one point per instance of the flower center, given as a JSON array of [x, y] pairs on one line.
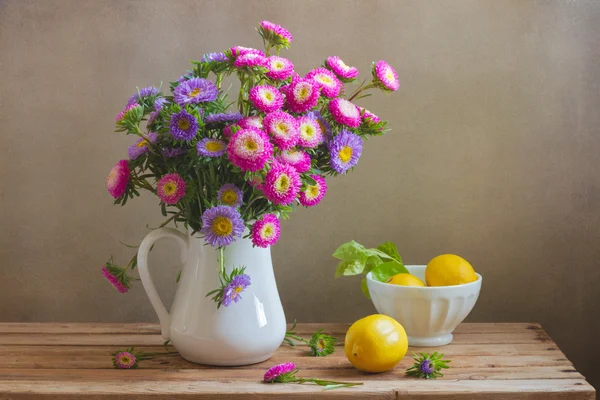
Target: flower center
[[268, 96], [183, 124], [213, 146], [345, 154], [282, 183], [268, 231], [229, 197], [312, 191], [142, 143], [308, 131], [222, 226], [169, 188], [195, 92], [251, 145], [320, 345], [278, 65], [238, 289], [324, 79], [303, 92], [389, 75], [125, 359]]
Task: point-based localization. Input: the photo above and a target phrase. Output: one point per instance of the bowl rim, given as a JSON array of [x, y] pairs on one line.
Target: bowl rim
[[477, 282]]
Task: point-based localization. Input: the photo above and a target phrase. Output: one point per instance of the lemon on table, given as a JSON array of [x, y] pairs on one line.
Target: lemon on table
[[405, 279], [449, 270], [375, 343]]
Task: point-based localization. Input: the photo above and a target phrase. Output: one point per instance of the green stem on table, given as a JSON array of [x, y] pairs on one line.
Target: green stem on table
[[322, 382]]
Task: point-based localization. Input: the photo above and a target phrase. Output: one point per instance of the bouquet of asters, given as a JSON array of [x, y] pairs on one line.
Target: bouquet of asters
[[219, 166]]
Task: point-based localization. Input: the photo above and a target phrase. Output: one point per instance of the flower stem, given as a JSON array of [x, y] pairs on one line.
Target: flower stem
[[360, 90], [322, 382]]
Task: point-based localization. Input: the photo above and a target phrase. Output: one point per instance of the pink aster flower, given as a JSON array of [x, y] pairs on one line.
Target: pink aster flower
[[282, 184], [369, 117], [313, 194], [114, 280], [283, 128], [251, 122], [124, 112], [125, 360], [265, 232], [385, 77], [118, 178], [280, 369], [329, 83], [250, 149], [227, 130], [171, 188], [279, 68], [301, 95], [250, 60], [275, 34], [266, 98], [343, 71], [241, 50], [296, 158], [345, 113], [310, 132]]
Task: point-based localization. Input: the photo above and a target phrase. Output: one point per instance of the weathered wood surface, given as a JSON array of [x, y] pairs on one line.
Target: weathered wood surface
[[73, 361]]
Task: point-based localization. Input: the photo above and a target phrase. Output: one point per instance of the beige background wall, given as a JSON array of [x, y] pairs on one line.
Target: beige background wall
[[493, 153]]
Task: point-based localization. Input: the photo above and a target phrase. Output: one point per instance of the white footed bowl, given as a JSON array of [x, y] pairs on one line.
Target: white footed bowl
[[428, 314]]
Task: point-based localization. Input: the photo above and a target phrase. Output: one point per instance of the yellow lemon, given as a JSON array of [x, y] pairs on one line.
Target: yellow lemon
[[375, 343], [405, 280], [449, 270]]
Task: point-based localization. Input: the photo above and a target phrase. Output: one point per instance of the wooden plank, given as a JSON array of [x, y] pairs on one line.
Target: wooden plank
[[542, 389]]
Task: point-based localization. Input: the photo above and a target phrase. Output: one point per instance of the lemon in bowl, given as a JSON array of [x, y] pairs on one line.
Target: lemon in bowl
[[404, 279], [449, 270]]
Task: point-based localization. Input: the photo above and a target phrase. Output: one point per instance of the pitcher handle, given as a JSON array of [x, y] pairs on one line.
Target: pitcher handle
[[142, 259]]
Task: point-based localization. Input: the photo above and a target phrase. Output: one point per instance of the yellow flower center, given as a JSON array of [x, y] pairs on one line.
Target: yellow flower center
[[222, 226], [312, 191], [229, 197], [320, 345], [282, 184], [308, 131], [304, 92], [183, 124], [268, 96], [324, 79], [194, 92], [345, 154], [142, 143], [268, 231], [169, 188], [281, 128], [390, 75], [213, 146], [278, 65], [125, 360], [112, 175], [238, 289], [251, 145]]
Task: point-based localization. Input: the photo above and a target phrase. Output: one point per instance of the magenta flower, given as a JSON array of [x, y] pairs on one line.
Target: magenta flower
[[313, 194], [266, 98], [301, 95], [343, 71], [195, 90], [250, 60], [241, 50], [230, 195], [368, 117], [385, 77], [125, 360], [275, 34], [227, 130], [345, 113], [325, 126], [114, 280], [118, 178], [121, 115], [251, 122], [326, 80], [283, 128], [265, 232], [279, 68], [310, 132], [249, 149], [282, 184], [211, 147], [276, 371], [171, 188], [141, 145], [296, 158]]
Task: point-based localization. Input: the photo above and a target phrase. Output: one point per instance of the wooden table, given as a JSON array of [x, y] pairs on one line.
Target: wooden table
[[73, 361]]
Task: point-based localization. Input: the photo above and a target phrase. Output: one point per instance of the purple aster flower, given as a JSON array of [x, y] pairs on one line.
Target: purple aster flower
[[141, 146], [183, 126], [222, 225], [211, 147], [220, 57], [159, 103], [195, 90], [172, 153], [188, 75], [426, 367], [224, 118], [345, 150], [233, 291], [230, 195], [143, 93]]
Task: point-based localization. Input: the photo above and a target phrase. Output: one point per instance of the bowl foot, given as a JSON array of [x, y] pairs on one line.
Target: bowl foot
[[430, 341]]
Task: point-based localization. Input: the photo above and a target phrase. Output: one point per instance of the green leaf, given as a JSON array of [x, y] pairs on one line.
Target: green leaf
[[384, 271], [351, 251], [390, 249], [365, 288], [372, 262]]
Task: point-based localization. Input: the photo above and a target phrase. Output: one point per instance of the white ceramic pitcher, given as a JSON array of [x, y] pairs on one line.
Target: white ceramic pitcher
[[246, 332]]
